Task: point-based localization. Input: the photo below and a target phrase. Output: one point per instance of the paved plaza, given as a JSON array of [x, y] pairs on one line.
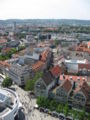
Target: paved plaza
[[28, 104]]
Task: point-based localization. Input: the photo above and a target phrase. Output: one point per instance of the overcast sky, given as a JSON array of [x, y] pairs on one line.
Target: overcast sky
[[43, 9]]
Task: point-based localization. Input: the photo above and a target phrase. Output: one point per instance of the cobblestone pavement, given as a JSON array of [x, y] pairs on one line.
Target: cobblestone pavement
[[28, 105]]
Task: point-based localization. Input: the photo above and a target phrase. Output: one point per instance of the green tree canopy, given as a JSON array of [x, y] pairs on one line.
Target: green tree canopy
[[31, 83], [59, 108], [7, 82], [66, 109]]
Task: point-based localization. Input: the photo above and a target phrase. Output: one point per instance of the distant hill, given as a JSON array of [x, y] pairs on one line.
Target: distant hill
[[47, 21]]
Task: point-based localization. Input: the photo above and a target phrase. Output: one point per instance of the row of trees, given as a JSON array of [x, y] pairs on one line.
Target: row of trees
[[52, 105], [7, 82], [31, 83], [8, 55], [11, 52]]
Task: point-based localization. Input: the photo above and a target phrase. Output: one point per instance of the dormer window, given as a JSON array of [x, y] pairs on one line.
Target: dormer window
[[78, 79], [71, 78]]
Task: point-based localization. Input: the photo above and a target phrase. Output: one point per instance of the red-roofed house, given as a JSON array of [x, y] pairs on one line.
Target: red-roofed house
[[84, 68], [74, 79], [46, 57], [3, 42], [4, 66], [88, 45], [61, 93], [38, 66], [81, 98], [56, 71]]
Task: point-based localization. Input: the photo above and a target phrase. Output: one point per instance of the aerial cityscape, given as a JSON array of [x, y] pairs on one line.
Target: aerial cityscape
[[45, 60]]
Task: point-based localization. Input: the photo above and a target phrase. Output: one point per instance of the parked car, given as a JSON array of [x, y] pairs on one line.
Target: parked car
[[41, 109], [54, 114], [46, 110], [61, 116]]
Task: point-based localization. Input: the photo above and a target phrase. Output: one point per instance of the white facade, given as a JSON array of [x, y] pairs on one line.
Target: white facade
[[72, 65], [9, 104]]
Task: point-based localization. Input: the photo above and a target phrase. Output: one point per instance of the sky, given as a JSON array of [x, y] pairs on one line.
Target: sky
[[45, 9]]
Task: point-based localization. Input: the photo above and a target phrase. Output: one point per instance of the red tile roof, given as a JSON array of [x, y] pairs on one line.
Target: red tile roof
[[38, 65], [44, 55], [3, 41], [4, 64], [73, 78], [84, 66], [66, 85], [88, 43], [83, 48], [84, 87], [56, 71]]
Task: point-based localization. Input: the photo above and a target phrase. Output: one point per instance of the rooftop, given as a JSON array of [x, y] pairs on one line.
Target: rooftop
[[73, 78], [88, 43], [56, 71], [8, 100], [84, 87], [48, 78], [3, 41], [37, 65], [4, 64], [66, 85], [84, 66]]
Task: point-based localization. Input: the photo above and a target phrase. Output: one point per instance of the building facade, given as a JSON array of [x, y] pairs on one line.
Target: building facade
[[9, 104]]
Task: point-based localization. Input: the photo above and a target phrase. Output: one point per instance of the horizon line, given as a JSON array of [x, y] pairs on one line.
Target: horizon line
[[45, 19]]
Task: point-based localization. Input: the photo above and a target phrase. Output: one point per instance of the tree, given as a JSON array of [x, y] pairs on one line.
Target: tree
[[75, 114], [7, 82], [42, 102], [56, 42], [53, 105], [66, 110], [31, 83], [82, 115], [88, 116], [59, 108]]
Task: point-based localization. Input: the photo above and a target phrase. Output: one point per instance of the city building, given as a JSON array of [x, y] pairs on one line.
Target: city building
[[61, 92], [4, 66], [3, 42], [81, 97], [84, 69], [20, 74], [38, 66], [44, 84], [9, 104], [88, 44], [72, 65]]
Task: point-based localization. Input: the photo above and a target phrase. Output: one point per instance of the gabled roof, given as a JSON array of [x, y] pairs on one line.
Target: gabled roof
[[56, 71], [47, 78], [84, 87], [66, 85]]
